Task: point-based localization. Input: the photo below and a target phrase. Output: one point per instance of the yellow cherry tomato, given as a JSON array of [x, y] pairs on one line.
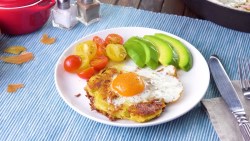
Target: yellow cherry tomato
[[85, 63], [116, 52], [86, 48]]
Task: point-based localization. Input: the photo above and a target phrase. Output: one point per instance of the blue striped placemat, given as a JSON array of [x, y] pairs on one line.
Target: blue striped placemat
[[37, 112]]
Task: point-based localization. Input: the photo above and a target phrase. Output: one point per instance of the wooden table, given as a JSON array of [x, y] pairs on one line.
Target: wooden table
[[176, 7]]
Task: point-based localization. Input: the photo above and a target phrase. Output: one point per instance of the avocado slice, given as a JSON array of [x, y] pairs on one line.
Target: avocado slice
[[136, 52], [185, 61], [167, 56], [139, 44], [152, 55]]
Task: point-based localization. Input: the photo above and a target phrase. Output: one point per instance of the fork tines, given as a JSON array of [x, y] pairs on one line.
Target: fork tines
[[244, 72]]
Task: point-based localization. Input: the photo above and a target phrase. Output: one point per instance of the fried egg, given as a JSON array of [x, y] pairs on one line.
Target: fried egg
[[124, 91], [136, 85]]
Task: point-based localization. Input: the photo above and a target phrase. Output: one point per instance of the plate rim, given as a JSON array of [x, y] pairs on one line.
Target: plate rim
[[113, 123]]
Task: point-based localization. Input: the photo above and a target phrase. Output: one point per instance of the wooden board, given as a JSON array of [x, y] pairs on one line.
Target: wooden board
[[129, 3], [151, 5], [189, 13], [173, 7], [108, 1], [176, 7]]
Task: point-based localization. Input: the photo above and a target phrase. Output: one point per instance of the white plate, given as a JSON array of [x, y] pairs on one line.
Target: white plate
[[195, 82]]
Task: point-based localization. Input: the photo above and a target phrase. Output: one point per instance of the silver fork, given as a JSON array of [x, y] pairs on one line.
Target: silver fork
[[244, 72]]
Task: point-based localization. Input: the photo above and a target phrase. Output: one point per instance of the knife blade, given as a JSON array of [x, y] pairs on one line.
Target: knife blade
[[229, 95]]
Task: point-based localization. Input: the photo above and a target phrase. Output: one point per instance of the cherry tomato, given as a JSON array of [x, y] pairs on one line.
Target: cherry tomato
[[114, 39], [99, 62], [87, 73], [72, 63], [85, 63], [87, 48], [99, 41], [100, 51], [116, 52]]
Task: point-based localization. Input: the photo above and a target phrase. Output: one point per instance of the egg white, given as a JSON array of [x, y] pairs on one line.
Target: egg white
[[158, 84]]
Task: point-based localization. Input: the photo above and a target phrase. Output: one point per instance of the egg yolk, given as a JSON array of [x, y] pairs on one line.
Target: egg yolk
[[128, 84]]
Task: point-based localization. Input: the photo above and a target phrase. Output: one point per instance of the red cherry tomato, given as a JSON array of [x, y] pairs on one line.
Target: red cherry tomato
[[72, 63], [114, 39], [100, 51], [99, 62], [99, 41], [87, 73]]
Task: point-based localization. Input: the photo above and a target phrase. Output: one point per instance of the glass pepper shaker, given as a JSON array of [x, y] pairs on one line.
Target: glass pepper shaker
[[64, 14], [88, 11]]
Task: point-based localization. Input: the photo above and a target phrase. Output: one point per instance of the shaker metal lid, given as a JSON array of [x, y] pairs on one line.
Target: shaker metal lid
[[63, 4], [87, 1], [17, 3]]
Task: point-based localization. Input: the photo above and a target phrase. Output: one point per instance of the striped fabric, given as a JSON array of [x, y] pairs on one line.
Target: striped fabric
[[37, 112]]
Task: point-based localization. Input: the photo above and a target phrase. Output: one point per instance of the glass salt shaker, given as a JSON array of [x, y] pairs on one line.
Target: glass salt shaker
[[64, 14], [88, 11]]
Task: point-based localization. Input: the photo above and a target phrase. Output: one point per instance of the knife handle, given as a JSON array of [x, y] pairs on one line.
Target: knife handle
[[245, 131]]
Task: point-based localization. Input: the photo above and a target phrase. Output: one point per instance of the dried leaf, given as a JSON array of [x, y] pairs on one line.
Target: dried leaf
[[18, 59], [15, 49], [78, 95], [47, 40], [14, 87]]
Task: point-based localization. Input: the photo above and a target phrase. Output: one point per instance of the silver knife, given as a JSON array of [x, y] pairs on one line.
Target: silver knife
[[229, 94]]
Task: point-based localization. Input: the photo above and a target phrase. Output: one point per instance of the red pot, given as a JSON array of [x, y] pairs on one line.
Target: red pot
[[24, 16]]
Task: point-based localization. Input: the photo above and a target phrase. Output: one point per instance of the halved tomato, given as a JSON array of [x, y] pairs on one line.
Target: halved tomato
[[116, 52], [99, 63], [87, 73], [87, 48], [85, 63], [114, 39], [100, 51], [99, 41]]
